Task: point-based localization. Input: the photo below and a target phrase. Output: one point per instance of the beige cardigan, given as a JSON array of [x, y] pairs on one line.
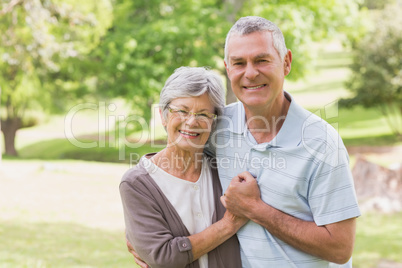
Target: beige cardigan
[[156, 231]]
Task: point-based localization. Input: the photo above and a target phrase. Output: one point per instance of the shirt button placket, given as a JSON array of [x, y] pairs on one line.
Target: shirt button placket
[[251, 165]]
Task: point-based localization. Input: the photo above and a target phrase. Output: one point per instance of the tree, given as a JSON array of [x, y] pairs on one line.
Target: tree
[[42, 45], [231, 9], [149, 39], [376, 79], [305, 22], [375, 4]]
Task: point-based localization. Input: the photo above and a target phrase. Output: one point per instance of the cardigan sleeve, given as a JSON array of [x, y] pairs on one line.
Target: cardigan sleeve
[[148, 230]]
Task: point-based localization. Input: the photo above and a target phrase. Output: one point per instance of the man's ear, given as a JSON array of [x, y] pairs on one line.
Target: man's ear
[[226, 67], [287, 63]]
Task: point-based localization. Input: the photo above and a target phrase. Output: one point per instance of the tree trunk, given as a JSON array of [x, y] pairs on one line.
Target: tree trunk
[[230, 96], [9, 128], [232, 8]]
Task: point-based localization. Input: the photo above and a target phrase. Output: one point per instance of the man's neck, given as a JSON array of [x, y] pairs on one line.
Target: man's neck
[[265, 123]]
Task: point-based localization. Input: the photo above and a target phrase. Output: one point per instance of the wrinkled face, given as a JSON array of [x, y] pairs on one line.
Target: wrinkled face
[[255, 69], [189, 122]]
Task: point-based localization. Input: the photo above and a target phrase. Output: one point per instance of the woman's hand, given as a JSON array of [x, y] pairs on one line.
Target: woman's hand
[[137, 258], [234, 221]]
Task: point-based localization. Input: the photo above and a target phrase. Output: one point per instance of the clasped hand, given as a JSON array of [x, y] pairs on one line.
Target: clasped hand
[[242, 195]]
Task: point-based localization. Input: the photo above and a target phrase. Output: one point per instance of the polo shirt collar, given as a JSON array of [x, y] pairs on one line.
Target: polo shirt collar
[[238, 125], [290, 134]]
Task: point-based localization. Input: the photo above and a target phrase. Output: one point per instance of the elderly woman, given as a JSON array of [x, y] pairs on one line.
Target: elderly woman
[[172, 209]]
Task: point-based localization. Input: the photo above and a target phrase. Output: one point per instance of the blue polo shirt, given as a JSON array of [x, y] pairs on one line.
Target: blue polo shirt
[[304, 172]]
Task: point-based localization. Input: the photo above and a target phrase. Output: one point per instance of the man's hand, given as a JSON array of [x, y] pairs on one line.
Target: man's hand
[[333, 242], [137, 258], [242, 194]]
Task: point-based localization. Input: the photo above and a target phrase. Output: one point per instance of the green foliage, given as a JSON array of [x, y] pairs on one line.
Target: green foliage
[[149, 39], [303, 22], [42, 46], [39, 43], [376, 79], [375, 4]]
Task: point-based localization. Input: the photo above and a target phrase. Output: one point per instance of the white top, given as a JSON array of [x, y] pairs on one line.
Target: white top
[[193, 201]]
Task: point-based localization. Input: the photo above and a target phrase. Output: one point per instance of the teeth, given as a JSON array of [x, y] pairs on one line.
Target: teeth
[[190, 134], [253, 87]]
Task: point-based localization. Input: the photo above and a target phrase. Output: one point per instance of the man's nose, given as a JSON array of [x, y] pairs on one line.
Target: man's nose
[[251, 71]]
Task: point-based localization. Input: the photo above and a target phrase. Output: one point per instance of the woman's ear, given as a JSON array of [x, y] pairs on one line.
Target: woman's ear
[[164, 123]]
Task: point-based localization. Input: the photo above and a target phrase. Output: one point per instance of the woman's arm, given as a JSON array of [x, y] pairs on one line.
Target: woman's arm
[[204, 241], [151, 230], [216, 234], [140, 262]]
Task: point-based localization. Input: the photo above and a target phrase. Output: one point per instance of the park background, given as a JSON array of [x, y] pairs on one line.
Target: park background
[[79, 83]]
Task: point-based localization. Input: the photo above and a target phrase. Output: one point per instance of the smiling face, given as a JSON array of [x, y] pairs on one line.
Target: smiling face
[[191, 133], [255, 69]]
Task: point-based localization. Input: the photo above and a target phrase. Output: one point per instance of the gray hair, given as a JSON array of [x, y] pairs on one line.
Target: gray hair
[[193, 82], [251, 24]]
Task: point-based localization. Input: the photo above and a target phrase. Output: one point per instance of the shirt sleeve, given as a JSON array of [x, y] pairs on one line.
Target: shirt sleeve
[[332, 196], [148, 230]]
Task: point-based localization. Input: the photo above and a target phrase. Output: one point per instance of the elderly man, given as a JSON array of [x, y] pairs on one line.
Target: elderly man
[[301, 204]]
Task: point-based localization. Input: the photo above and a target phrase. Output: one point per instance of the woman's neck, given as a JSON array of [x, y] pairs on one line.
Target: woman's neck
[[185, 165]]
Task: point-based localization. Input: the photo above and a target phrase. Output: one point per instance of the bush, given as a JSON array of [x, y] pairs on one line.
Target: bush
[[376, 79]]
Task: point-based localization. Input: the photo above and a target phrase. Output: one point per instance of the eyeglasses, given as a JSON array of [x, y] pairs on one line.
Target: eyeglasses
[[186, 114]]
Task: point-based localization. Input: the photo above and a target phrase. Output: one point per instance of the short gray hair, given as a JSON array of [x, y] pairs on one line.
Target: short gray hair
[[251, 24], [193, 82]]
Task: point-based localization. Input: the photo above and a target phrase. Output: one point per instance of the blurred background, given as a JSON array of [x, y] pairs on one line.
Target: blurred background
[[79, 85]]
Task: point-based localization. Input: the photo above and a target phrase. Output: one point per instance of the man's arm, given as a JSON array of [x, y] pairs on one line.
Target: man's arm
[[332, 242]]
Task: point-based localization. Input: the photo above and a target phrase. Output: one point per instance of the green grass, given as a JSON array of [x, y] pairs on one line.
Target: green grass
[[360, 127], [379, 140], [64, 149], [61, 245], [321, 81], [378, 237], [334, 59]]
